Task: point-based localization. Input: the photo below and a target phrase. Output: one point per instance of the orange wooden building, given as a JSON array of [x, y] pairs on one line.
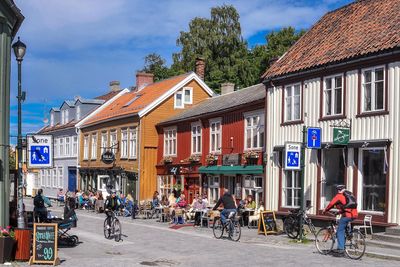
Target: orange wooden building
[[125, 137]]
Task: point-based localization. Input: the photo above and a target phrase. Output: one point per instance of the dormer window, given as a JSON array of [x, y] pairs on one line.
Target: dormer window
[[78, 113], [178, 100], [62, 117], [184, 96], [66, 116], [52, 119]]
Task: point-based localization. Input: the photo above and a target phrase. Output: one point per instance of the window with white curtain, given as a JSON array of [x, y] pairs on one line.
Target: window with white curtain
[[170, 141], [215, 135], [132, 143], [293, 102]]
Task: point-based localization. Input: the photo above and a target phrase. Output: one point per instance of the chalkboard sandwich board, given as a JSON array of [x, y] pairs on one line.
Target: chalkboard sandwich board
[[267, 223], [45, 244]]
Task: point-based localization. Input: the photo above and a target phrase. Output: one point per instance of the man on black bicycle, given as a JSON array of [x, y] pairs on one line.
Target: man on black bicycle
[[348, 215], [111, 205], [229, 204]]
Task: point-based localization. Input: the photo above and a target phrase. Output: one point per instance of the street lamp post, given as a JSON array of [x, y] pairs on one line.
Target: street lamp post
[[19, 51]]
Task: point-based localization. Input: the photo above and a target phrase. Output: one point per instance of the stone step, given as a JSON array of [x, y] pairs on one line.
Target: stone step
[[386, 237], [393, 230], [382, 244], [382, 253]]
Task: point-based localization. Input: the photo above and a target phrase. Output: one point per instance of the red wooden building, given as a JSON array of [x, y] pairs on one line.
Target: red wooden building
[[216, 144]]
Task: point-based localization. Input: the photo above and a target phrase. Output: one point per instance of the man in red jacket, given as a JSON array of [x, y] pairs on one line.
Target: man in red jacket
[[339, 201]]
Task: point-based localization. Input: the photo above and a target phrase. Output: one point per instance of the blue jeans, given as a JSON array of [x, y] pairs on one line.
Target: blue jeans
[[341, 231], [225, 214]]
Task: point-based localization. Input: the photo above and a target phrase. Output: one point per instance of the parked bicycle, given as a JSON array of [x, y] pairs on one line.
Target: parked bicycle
[[232, 227], [114, 229], [291, 225], [354, 246]]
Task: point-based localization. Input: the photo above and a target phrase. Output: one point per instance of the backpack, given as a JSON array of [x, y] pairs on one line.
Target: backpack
[[38, 201], [351, 202]]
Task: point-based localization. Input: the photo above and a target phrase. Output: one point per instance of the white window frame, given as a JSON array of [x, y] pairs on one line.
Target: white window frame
[[61, 151], [176, 105], [165, 184], [54, 177], [60, 176], [170, 141], [132, 143], [196, 139], [190, 90], [292, 98], [52, 119], [113, 141], [48, 176], [216, 147], [62, 117], [361, 182], [213, 188], [67, 142], [93, 150], [42, 178], [124, 143], [373, 88], [260, 129], [293, 188], [86, 147], [104, 142], [74, 146], [332, 80], [55, 146]]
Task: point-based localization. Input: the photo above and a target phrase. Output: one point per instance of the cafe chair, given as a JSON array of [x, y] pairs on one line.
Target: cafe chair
[[367, 225]]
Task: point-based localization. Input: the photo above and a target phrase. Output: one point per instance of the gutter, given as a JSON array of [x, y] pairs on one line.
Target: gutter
[[267, 81]]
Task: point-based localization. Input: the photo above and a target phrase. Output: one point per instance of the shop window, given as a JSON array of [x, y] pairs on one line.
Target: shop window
[[60, 177], [291, 189], [54, 177], [333, 171], [253, 185], [165, 185], [213, 189], [373, 180]]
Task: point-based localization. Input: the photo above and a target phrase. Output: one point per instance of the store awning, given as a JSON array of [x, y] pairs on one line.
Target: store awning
[[247, 169]]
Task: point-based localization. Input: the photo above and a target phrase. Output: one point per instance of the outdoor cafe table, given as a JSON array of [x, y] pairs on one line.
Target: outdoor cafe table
[[248, 212]]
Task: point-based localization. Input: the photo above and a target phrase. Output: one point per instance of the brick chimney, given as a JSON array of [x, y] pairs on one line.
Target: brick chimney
[[227, 88], [200, 67], [114, 86], [143, 79]]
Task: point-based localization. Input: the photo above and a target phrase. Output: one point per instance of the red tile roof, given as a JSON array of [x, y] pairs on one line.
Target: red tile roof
[[359, 29], [108, 96], [133, 102], [58, 126]]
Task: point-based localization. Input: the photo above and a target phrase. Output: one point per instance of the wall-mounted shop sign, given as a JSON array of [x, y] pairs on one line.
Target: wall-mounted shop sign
[[231, 159], [341, 136]]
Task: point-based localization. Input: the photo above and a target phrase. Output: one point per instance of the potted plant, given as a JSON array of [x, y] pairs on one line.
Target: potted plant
[[211, 158], [167, 159], [250, 157], [194, 158], [7, 242]]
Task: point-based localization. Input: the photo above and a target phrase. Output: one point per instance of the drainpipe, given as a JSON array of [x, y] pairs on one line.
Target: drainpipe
[[139, 160], [78, 133]]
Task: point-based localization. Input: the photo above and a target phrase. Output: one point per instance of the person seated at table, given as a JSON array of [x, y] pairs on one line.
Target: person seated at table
[[205, 199], [181, 201], [61, 195], [196, 197], [155, 201], [251, 204], [198, 206], [257, 214], [164, 201]]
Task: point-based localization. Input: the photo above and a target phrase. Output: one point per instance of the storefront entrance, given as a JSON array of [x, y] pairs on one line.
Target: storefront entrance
[[192, 187]]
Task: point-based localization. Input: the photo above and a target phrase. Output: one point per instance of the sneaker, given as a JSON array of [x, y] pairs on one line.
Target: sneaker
[[338, 253]]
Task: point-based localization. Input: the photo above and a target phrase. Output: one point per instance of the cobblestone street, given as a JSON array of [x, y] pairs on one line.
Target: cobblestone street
[[150, 243]]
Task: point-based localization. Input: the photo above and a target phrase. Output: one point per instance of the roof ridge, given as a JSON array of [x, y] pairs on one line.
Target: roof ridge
[[167, 79]]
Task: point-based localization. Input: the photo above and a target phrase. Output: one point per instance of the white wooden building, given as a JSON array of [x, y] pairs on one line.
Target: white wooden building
[[345, 71]]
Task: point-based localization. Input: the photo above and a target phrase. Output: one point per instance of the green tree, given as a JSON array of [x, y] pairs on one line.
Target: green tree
[[154, 63], [219, 41]]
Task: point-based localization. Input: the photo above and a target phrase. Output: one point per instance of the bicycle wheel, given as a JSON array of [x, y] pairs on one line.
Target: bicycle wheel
[[355, 245], [291, 226], [324, 240], [107, 230], [235, 231], [218, 228], [117, 230]]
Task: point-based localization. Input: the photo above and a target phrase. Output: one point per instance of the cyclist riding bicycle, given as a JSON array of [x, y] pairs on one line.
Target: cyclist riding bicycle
[[229, 203], [348, 215], [111, 205]]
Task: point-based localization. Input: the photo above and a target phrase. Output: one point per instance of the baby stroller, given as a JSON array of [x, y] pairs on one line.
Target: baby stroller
[[64, 225]]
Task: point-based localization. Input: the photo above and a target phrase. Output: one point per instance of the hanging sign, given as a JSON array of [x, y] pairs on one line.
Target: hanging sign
[[108, 157], [341, 136], [292, 156], [45, 244]]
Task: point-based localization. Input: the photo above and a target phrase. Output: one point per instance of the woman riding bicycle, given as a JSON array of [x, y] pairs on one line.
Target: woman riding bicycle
[[229, 203], [348, 215], [111, 205]]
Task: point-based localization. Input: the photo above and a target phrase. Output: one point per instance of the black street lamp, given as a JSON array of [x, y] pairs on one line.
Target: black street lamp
[[19, 51]]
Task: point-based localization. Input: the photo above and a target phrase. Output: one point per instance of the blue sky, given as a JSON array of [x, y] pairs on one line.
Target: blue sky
[[77, 47]]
